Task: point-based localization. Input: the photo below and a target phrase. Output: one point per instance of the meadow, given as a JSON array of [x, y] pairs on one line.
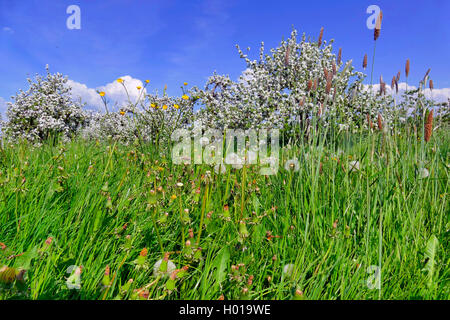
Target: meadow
[[93, 206], [89, 220]]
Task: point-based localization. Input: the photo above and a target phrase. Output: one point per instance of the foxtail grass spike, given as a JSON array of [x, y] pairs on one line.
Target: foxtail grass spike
[[319, 42], [380, 122], [407, 68], [429, 126], [378, 26], [339, 57]]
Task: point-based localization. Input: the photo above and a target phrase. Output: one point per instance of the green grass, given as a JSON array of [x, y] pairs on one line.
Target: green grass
[[95, 201]]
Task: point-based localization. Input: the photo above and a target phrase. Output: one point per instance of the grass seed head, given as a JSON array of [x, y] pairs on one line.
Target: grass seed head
[[310, 83], [369, 122], [319, 42], [407, 68], [286, 57], [378, 26], [339, 57], [380, 122], [329, 82], [429, 126]]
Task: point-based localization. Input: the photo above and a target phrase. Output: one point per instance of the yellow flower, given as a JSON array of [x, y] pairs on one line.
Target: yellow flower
[[185, 83], [176, 106], [152, 105], [102, 94], [139, 87], [164, 107], [147, 81], [120, 80], [122, 113], [173, 197], [185, 97]]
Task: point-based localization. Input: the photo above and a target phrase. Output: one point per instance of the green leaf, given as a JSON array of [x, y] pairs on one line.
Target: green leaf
[[170, 285], [430, 257], [24, 261], [221, 263], [256, 204]]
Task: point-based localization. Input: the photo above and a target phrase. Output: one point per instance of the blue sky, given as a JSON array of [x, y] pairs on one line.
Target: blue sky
[[173, 41]]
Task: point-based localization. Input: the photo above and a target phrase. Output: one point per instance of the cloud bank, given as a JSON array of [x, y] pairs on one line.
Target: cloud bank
[[437, 95], [115, 94]]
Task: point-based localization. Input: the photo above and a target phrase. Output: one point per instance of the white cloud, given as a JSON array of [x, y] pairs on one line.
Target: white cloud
[[438, 95], [115, 94], [8, 30]]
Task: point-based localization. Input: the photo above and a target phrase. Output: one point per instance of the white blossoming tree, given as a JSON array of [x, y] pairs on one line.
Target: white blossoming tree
[[45, 110], [288, 89]]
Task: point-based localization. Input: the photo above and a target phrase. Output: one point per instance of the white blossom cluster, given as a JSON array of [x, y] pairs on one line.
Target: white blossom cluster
[[45, 109]]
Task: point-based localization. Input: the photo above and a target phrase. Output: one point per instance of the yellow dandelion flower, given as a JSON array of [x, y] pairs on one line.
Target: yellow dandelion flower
[[185, 97], [176, 106], [147, 81], [164, 107], [152, 105], [139, 87], [122, 113], [120, 80], [173, 197], [185, 83], [102, 94]]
